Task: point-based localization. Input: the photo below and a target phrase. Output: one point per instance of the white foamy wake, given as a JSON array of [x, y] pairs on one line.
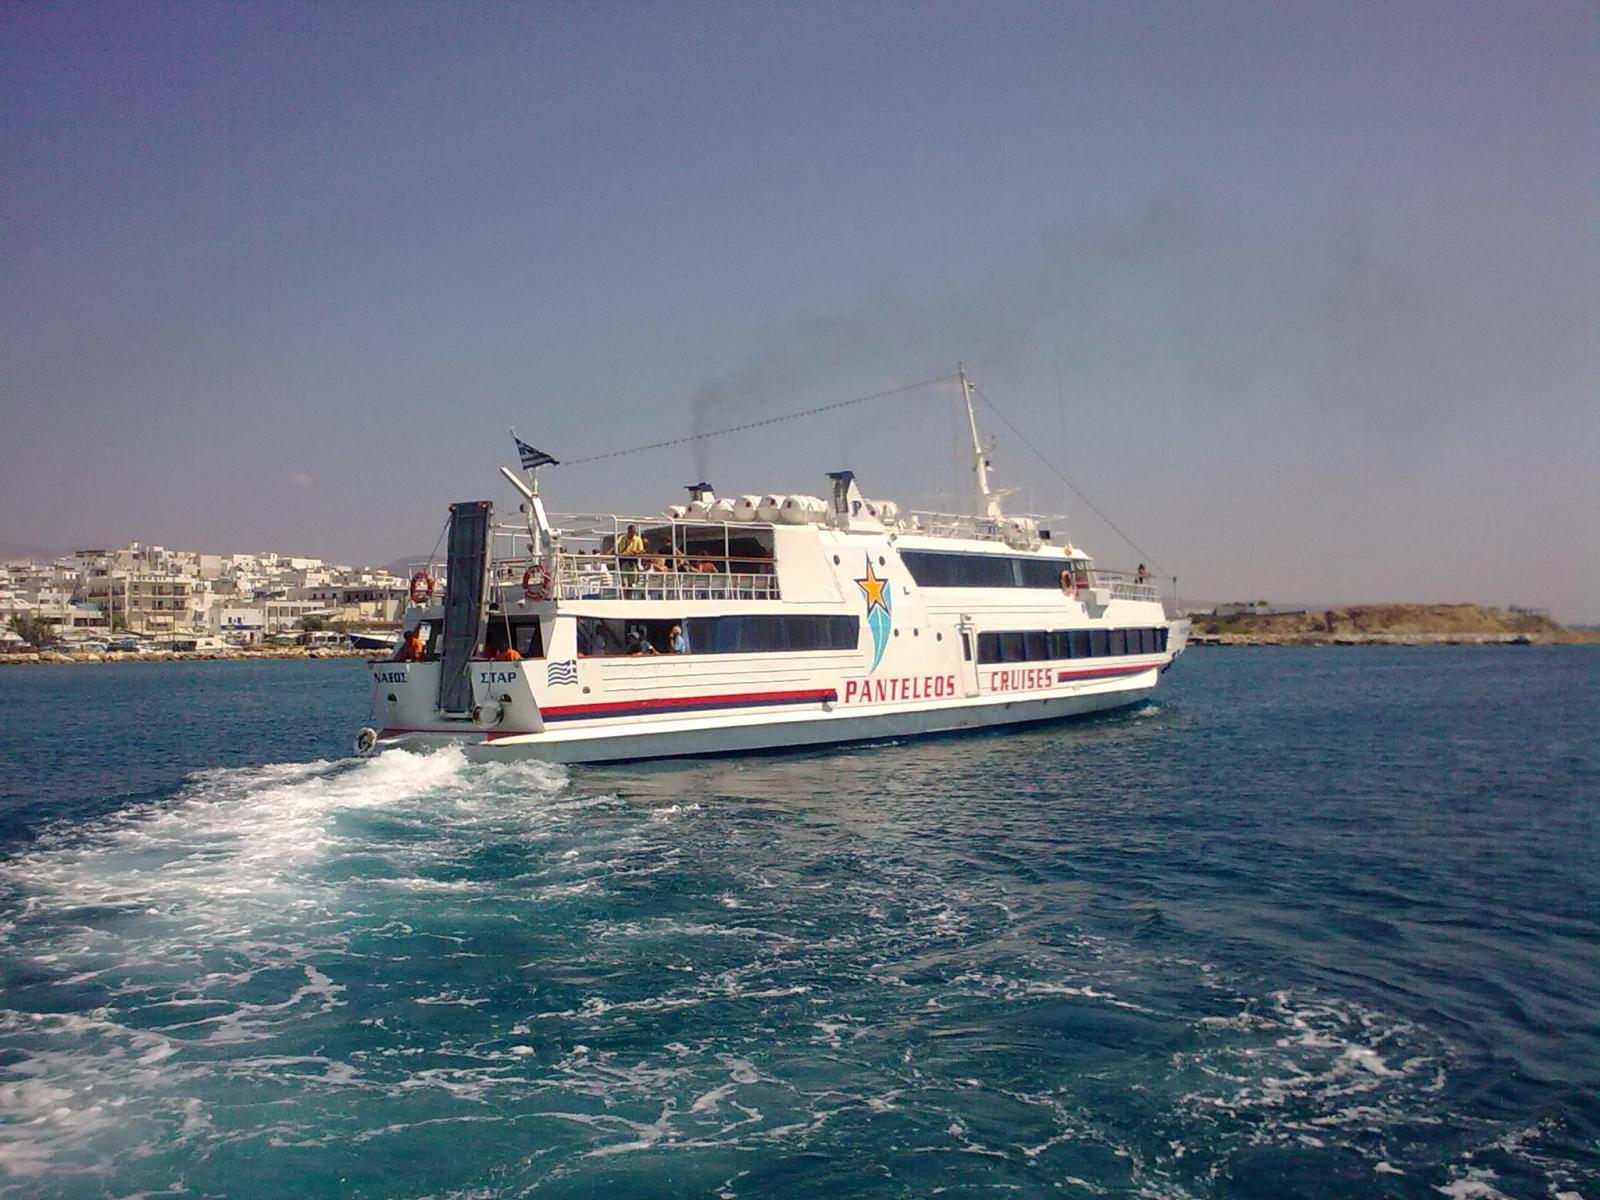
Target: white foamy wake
[[203, 924], [247, 836]]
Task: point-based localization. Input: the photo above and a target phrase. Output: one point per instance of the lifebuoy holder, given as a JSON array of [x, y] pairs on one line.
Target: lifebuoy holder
[[536, 583], [421, 588]]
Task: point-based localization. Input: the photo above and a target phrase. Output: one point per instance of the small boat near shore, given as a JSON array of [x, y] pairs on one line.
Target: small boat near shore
[[759, 622], [377, 640]]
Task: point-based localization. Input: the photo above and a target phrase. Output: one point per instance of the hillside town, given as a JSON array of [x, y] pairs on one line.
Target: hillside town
[[143, 595]]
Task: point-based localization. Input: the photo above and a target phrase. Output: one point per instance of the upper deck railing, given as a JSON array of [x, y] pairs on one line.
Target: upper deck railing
[[580, 579], [1126, 586], [677, 572], [1024, 529], [648, 577]]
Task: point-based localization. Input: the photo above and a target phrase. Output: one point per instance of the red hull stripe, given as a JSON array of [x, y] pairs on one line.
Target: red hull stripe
[[677, 704], [1064, 676]]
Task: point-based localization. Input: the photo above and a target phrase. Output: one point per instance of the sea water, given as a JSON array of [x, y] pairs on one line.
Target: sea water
[[1315, 923]]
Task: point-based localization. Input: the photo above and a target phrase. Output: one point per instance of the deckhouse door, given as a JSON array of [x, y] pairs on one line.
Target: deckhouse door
[[969, 657]]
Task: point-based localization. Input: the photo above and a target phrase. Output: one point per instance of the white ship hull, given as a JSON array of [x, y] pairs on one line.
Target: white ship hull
[[690, 738]]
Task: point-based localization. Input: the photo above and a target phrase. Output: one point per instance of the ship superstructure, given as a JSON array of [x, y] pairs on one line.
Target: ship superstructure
[[758, 622]]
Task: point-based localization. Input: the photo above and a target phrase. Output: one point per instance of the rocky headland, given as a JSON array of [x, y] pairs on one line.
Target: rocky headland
[[1389, 625]]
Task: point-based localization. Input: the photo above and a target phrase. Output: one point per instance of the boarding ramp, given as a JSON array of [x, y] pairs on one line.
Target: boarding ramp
[[465, 603]]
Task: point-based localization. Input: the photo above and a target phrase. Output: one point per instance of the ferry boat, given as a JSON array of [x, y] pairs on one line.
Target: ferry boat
[[759, 622]]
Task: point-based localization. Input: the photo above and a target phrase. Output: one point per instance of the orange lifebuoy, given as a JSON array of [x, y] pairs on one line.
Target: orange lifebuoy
[[536, 582], [421, 588], [1067, 584]]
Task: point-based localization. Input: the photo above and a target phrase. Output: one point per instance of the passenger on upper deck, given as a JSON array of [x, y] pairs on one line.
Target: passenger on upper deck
[[1141, 575], [631, 543], [629, 548]]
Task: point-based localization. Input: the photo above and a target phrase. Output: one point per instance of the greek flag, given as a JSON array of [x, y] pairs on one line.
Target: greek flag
[[561, 672], [532, 456]]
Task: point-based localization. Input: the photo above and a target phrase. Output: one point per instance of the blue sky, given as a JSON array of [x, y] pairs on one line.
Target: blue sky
[[1304, 296]]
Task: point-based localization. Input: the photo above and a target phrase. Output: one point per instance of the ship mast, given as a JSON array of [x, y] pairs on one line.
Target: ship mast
[[988, 498]]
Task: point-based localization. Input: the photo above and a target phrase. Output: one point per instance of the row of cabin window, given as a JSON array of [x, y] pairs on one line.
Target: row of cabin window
[[760, 633], [1039, 646], [933, 568]]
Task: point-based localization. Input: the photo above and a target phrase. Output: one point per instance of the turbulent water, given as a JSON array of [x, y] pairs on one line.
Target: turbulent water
[[1319, 923]]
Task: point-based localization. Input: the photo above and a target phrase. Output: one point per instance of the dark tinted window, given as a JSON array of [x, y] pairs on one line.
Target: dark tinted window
[[1039, 573], [767, 633], [527, 638], [1043, 645], [933, 568]]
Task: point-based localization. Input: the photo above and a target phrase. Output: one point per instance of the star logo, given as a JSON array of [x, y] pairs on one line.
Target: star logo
[[880, 618], [873, 589]]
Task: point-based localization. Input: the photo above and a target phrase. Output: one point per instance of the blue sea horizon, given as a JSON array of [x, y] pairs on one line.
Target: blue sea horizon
[[1316, 922]]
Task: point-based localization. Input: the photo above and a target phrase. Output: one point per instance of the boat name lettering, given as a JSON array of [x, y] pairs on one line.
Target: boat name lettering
[[1023, 680], [388, 677], [904, 687], [497, 676]]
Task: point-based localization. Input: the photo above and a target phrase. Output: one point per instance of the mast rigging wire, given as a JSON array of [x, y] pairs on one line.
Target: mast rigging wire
[[1057, 472], [794, 416]]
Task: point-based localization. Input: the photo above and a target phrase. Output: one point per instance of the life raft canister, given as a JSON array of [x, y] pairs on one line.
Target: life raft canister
[[421, 588], [536, 583]]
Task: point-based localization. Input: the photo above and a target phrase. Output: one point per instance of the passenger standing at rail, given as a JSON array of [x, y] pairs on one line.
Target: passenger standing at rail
[[628, 551]]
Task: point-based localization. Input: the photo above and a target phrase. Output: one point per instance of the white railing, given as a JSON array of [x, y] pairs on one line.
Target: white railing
[[665, 585], [1125, 586], [1023, 529], [607, 577]]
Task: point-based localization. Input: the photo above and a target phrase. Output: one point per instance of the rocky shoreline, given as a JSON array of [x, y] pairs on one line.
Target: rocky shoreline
[[1384, 639], [113, 656]]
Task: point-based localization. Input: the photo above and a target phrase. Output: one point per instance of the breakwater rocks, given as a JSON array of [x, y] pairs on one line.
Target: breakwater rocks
[[72, 656]]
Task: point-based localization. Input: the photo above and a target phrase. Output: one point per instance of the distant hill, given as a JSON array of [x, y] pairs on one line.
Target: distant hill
[[1397, 624], [404, 566], [15, 550]]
